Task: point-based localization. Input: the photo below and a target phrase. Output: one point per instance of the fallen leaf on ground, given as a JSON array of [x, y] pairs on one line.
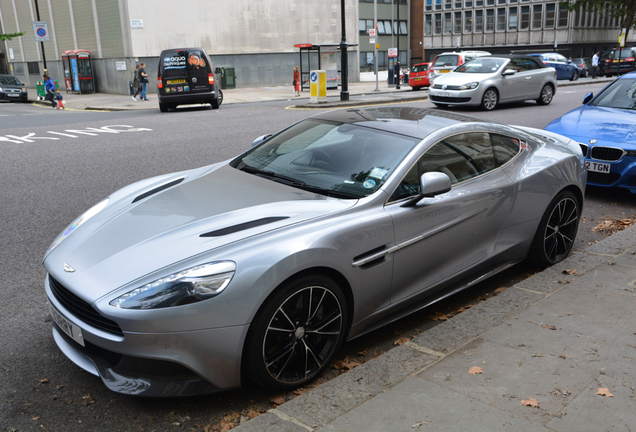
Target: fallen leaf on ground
[[531, 402], [604, 392], [251, 414], [570, 272], [401, 341], [44, 381], [347, 363], [363, 353], [437, 316], [611, 226], [537, 355], [36, 418], [475, 370], [550, 327], [278, 400], [500, 290], [88, 399]]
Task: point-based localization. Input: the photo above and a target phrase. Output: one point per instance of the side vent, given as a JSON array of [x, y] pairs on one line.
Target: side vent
[[240, 227], [370, 258], [158, 189]]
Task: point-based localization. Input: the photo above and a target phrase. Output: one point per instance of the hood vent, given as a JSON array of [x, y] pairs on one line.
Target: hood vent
[[240, 227], [157, 189]]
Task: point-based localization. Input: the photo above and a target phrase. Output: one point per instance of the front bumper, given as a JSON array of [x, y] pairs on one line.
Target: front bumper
[[156, 364], [622, 174], [14, 96], [455, 97]]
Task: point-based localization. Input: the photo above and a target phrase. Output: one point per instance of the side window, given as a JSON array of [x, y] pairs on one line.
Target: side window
[[461, 157], [505, 148]]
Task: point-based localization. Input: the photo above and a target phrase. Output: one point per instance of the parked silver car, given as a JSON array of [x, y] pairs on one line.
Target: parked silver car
[[488, 81], [261, 266]]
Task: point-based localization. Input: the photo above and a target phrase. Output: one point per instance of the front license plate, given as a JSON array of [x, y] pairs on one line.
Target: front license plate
[[444, 94], [598, 167], [13, 95], [73, 331], [176, 81], [444, 71]]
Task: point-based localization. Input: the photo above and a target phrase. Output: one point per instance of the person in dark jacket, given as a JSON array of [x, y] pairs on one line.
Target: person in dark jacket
[[49, 88], [136, 83]]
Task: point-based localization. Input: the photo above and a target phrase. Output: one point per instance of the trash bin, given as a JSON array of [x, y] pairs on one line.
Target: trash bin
[[131, 90], [228, 78]]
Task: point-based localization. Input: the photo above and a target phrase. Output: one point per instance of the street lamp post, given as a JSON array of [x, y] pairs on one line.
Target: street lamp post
[[397, 63], [344, 63]]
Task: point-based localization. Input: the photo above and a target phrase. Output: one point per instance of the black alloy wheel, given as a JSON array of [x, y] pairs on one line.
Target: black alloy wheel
[[490, 99], [557, 230], [296, 333]]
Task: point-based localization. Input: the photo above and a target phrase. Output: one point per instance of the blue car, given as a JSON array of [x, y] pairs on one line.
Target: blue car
[[605, 127], [565, 68]]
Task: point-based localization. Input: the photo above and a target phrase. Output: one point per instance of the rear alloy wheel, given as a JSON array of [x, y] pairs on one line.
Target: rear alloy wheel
[[575, 75], [554, 238], [547, 93], [296, 333], [490, 99]]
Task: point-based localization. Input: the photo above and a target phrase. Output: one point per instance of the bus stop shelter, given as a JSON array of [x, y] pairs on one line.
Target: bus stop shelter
[[320, 57]]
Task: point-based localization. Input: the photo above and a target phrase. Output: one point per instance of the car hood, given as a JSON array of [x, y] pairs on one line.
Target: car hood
[[127, 241], [460, 78], [600, 123]]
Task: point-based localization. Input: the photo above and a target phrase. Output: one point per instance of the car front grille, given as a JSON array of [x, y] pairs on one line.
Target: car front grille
[[448, 87], [81, 309], [15, 91], [448, 99], [602, 179], [607, 153]]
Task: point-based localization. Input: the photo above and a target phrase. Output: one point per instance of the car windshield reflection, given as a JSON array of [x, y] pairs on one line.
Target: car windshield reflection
[[483, 66], [333, 159], [621, 94]]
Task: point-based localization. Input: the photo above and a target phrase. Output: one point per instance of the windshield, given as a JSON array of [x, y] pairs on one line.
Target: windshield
[[446, 60], [9, 80], [419, 68], [622, 53], [481, 65], [333, 159], [620, 94]]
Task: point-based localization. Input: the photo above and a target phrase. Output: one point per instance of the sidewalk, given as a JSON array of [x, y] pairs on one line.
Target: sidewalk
[[558, 340], [360, 93]]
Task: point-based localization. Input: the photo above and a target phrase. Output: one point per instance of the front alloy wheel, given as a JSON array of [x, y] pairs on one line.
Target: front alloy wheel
[[296, 333], [490, 99], [547, 93]]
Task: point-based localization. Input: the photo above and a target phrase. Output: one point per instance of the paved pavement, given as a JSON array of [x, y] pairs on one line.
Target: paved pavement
[[360, 93], [563, 340]]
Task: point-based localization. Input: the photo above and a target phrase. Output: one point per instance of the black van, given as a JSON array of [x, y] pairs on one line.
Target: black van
[[185, 77]]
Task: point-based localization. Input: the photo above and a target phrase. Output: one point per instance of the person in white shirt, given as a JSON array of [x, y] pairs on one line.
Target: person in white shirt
[[595, 65]]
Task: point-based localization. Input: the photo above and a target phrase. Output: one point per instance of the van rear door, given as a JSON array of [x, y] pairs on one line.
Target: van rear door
[[184, 71]]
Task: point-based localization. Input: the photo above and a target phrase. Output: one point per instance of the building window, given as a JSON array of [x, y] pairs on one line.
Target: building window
[[490, 19], [429, 5], [458, 22], [595, 19], [549, 15], [447, 23], [577, 16], [501, 19], [513, 1], [512, 19], [501, 2], [366, 60], [428, 25], [387, 27], [381, 27], [479, 21], [479, 3], [563, 16], [589, 19], [536, 16], [525, 17], [490, 2], [438, 4], [469, 3], [468, 21], [458, 4], [448, 4], [365, 25], [438, 23], [403, 29], [34, 68]]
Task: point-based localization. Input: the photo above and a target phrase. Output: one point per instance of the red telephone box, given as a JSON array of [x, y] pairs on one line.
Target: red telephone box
[[78, 72]]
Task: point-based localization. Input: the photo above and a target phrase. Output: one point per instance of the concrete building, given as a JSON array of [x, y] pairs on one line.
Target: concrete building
[[257, 38]]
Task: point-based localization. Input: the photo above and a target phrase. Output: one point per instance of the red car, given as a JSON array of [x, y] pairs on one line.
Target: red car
[[418, 77]]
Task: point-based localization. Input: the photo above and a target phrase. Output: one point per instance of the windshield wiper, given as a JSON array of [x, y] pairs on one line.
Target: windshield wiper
[[290, 181]]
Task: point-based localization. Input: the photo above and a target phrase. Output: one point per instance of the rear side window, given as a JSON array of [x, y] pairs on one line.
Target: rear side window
[[505, 148], [446, 60], [176, 62]]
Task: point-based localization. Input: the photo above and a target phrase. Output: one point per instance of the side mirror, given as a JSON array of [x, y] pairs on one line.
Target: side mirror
[[431, 184], [588, 97], [260, 139], [508, 72], [570, 61]]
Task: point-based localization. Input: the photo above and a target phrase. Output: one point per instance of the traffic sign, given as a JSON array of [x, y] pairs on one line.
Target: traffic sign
[[372, 33], [41, 31], [393, 52]]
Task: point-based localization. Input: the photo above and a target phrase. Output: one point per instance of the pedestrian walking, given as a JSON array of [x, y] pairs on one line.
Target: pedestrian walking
[[595, 65], [136, 83], [143, 80], [60, 99], [49, 88], [296, 81]]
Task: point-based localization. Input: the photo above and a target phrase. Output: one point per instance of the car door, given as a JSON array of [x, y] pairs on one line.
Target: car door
[[442, 236], [518, 86]]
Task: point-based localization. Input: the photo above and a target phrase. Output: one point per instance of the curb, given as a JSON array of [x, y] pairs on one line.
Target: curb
[[331, 400]]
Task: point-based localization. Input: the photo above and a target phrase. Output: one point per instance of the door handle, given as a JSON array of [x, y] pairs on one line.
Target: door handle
[[527, 78], [497, 195]]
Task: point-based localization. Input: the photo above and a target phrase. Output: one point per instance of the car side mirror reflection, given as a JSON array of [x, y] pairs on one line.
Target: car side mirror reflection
[[260, 139], [588, 97], [431, 184]]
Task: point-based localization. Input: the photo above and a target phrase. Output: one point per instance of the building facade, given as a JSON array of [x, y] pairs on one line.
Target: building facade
[[257, 38]]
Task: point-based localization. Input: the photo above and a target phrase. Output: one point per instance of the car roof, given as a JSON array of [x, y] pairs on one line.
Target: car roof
[[515, 56], [414, 122]]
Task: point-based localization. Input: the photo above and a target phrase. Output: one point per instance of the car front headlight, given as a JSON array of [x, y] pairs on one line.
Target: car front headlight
[[76, 223], [188, 286], [469, 86]]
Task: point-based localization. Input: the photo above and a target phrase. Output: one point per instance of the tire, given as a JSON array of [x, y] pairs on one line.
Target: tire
[[490, 99], [575, 75], [163, 107], [547, 93], [416, 88], [555, 236], [216, 103], [296, 333]]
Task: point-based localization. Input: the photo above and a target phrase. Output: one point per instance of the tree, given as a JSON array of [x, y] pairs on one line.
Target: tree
[[624, 10], [5, 37]]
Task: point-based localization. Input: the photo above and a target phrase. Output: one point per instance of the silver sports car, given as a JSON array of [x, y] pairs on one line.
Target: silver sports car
[[488, 81], [261, 266]]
